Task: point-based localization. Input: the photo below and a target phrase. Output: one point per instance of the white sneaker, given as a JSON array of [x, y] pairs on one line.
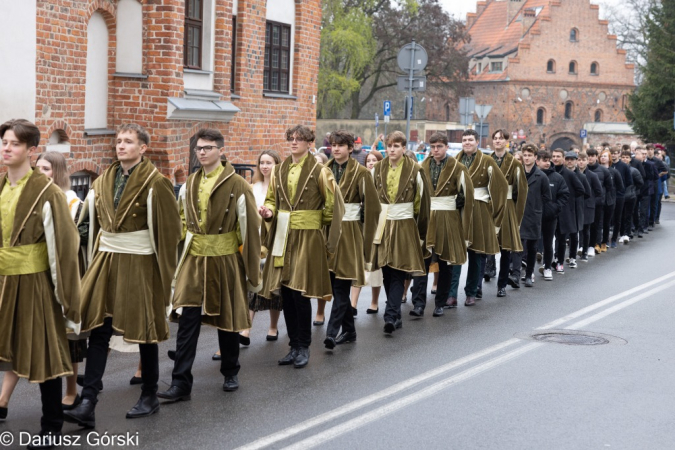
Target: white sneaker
[[626, 239], [621, 239], [548, 274], [591, 251], [573, 264]]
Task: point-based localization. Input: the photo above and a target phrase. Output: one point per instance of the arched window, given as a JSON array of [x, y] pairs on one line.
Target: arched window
[[573, 67], [569, 106], [550, 66], [96, 85], [129, 37], [594, 68], [541, 116], [574, 35], [598, 115]]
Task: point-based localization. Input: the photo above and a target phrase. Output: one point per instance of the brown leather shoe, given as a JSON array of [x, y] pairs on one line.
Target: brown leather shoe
[[451, 302], [603, 248], [470, 301]]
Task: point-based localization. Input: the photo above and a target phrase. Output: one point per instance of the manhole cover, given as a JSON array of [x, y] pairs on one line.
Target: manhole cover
[[571, 337]]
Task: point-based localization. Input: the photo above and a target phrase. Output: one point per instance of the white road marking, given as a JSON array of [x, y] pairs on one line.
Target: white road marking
[[407, 384], [395, 405]]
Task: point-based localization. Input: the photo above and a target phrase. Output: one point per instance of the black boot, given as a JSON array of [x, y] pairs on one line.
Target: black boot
[[302, 359], [83, 414], [147, 405], [289, 358]]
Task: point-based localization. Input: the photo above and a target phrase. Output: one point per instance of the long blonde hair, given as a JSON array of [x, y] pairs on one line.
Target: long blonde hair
[[59, 165], [257, 175]]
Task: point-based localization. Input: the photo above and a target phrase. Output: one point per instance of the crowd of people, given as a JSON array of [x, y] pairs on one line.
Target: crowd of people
[[75, 274]]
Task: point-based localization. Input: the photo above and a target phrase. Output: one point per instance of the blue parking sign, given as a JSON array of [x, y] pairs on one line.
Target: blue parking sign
[[583, 134], [387, 108]]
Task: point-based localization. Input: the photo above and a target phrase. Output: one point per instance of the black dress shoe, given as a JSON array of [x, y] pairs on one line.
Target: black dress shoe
[[346, 337], [372, 311], [174, 394], [83, 414], [355, 311], [318, 323], [451, 302], [3, 414], [302, 359], [329, 342], [417, 311], [398, 324], [80, 382], [389, 327], [273, 337], [501, 292], [289, 358], [216, 357], [528, 282], [244, 340], [433, 292], [147, 405], [231, 383], [136, 380], [172, 355], [513, 282], [438, 312], [47, 439], [479, 293], [76, 402]]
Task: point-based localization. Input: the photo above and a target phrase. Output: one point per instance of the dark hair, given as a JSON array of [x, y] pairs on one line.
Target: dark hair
[[473, 133], [301, 132], [26, 132], [396, 137], [59, 165], [649, 146], [211, 135], [583, 155], [592, 152], [141, 133], [574, 147], [605, 144], [505, 134], [342, 137], [257, 176], [626, 153], [530, 148], [543, 154], [439, 137], [559, 150], [625, 147]]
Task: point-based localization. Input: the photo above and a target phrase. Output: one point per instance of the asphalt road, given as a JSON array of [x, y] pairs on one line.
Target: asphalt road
[[469, 380]]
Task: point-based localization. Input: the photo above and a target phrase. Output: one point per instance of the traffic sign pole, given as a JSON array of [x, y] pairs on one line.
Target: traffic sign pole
[[411, 72]]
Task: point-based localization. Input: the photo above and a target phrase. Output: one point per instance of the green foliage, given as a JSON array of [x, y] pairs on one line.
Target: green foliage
[[652, 105]]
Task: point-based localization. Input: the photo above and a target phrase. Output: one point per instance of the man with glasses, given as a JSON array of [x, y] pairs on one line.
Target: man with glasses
[[219, 216], [302, 198]]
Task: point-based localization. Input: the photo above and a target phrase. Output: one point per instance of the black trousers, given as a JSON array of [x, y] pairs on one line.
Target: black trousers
[[653, 200], [341, 315], [574, 245], [504, 268], [97, 357], [627, 216], [529, 253], [643, 212], [548, 232], [596, 226], [658, 207], [608, 215], [298, 317], [490, 264], [585, 239], [393, 280], [420, 284], [189, 326], [618, 219], [52, 411], [560, 246], [472, 275]]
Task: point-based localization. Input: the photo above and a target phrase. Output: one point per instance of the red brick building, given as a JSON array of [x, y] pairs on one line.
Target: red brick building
[[81, 68], [548, 68]]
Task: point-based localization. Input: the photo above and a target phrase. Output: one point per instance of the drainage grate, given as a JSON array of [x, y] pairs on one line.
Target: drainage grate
[[571, 337]]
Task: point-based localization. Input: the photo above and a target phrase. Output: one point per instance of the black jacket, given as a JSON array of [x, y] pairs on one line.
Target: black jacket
[[560, 195], [538, 195], [626, 177], [605, 181], [567, 220], [644, 190], [632, 191], [652, 176], [581, 201], [596, 191], [617, 189]]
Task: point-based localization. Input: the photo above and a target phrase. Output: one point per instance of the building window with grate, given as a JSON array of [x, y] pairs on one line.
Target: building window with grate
[[277, 58], [192, 39], [496, 66], [80, 183]]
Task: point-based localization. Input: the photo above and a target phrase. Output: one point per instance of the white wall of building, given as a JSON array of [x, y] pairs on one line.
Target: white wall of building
[[129, 36], [96, 90], [283, 11], [18, 43]]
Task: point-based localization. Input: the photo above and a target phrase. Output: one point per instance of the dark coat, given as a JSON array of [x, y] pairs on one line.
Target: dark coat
[[644, 189], [633, 190], [560, 195], [618, 189], [581, 201], [538, 195], [626, 176], [651, 176], [605, 181], [596, 191], [567, 220]]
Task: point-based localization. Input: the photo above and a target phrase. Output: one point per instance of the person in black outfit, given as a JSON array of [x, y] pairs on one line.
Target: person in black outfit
[[560, 195], [617, 188], [651, 180], [630, 197], [619, 209], [580, 203], [567, 221], [641, 207], [589, 204], [600, 203]]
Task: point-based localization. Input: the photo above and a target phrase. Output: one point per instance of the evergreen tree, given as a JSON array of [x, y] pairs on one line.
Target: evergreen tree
[[652, 105]]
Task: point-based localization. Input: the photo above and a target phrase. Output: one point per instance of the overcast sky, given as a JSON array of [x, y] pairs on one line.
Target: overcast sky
[[459, 8]]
